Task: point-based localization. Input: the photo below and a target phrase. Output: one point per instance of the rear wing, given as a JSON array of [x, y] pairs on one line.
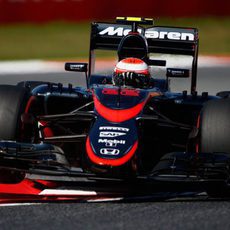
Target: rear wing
[[170, 40], [160, 39]]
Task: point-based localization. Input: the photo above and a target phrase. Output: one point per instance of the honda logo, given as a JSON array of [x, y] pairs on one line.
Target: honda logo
[[112, 152]]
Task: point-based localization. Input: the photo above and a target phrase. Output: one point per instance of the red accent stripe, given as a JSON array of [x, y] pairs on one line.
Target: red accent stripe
[[115, 115], [198, 126], [27, 187], [119, 70], [28, 105], [47, 131], [27, 108], [109, 162], [133, 60]]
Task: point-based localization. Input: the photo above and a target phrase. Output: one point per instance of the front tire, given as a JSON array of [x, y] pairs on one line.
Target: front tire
[[12, 104], [215, 126], [13, 101], [215, 137]]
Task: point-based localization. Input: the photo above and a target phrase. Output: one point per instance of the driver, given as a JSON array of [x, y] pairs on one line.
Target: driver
[[132, 72]]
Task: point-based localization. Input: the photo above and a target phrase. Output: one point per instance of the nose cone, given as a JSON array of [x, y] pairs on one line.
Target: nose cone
[[112, 144]]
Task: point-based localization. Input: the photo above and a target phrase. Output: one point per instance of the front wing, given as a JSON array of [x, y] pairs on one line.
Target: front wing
[[45, 170]]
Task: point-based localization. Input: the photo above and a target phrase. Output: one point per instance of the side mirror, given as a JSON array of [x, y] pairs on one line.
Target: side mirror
[[180, 73], [76, 67]]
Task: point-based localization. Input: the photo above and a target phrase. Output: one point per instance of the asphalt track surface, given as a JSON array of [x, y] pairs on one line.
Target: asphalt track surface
[[185, 212]]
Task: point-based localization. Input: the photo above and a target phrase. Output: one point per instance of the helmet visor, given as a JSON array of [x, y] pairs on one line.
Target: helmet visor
[[132, 79]]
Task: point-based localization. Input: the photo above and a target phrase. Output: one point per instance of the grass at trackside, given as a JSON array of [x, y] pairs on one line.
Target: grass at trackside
[[46, 41], [61, 40]]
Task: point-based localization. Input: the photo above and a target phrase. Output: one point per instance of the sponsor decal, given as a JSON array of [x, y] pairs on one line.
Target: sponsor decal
[[114, 128], [110, 144], [111, 134], [123, 92], [110, 91], [76, 66], [105, 141], [120, 31], [170, 35], [130, 92], [109, 151]]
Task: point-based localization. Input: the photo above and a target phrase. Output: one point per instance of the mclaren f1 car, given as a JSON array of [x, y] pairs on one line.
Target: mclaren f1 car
[[111, 131]]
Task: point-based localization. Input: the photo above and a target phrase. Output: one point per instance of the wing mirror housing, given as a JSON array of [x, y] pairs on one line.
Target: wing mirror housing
[[177, 73], [153, 62], [76, 67]]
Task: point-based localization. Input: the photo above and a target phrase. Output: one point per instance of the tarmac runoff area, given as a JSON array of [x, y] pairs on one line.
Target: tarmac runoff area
[[41, 66]]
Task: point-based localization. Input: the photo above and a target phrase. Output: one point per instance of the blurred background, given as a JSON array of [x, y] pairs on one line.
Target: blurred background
[[59, 29]]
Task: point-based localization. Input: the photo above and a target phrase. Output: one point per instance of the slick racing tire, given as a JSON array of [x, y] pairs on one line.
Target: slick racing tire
[[32, 84], [12, 104], [214, 136], [215, 126], [223, 94]]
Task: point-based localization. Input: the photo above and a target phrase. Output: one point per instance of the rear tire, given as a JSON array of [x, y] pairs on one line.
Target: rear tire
[[32, 84], [214, 136], [223, 94]]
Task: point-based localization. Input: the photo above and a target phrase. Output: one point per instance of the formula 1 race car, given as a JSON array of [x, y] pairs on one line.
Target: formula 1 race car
[[117, 127]]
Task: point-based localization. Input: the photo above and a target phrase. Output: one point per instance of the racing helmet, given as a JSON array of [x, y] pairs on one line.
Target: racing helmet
[[132, 72]]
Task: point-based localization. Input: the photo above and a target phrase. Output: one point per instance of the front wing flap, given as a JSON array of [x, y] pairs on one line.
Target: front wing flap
[[193, 167]]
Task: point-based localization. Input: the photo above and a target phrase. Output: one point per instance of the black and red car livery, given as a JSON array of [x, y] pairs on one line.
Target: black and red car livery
[[110, 132], [113, 139]]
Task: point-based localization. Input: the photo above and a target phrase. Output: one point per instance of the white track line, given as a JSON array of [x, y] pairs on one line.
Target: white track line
[[67, 192], [39, 66], [18, 204], [105, 200], [30, 67]]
